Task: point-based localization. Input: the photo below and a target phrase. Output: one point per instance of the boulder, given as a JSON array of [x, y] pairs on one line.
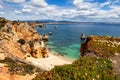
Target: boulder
[[2, 56]]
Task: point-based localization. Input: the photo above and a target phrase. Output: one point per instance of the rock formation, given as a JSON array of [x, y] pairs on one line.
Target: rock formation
[[103, 46], [82, 36], [19, 38]]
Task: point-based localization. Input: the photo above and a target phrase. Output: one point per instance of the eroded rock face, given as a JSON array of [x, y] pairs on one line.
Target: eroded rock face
[[103, 46], [19, 38]]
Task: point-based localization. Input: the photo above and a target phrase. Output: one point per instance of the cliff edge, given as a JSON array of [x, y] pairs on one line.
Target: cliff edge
[[103, 46]]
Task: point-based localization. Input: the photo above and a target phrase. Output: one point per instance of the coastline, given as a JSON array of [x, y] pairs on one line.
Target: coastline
[[50, 62], [64, 57]]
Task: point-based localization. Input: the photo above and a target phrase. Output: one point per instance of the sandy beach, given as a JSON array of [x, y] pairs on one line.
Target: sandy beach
[[49, 62]]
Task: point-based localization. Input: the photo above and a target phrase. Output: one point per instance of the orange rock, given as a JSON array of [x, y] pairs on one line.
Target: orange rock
[[25, 32]]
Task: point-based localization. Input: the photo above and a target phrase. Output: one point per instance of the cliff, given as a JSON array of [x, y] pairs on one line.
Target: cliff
[[18, 39], [105, 47]]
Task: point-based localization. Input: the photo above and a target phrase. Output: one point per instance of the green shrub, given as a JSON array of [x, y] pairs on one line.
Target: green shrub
[[21, 41]]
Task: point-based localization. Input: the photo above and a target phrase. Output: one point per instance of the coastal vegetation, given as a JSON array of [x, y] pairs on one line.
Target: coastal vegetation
[[85, 68]]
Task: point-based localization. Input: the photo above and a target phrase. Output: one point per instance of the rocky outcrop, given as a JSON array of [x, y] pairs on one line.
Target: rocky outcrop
[[103, 46], [19, 38]]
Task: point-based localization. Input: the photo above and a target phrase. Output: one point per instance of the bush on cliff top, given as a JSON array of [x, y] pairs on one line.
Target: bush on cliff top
[[85, 68]]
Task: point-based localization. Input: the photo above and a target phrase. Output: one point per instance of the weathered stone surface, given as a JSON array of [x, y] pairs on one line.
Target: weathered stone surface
[[2, 56], [103, 46], [19, 38]]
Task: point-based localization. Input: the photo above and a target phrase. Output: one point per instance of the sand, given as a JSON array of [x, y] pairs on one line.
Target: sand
[[49, 63]]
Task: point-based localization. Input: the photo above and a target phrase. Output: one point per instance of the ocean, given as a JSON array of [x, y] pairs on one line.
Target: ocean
[[66, 37]]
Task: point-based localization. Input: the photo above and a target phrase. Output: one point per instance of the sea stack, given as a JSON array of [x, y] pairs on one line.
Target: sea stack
[[82, 36], [45, 37], [50, 33], [55, 26]]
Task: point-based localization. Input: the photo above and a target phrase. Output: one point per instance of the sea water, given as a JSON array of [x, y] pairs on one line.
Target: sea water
[[66, 37]]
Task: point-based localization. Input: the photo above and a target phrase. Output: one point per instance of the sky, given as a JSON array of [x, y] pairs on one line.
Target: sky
[[71, 10]]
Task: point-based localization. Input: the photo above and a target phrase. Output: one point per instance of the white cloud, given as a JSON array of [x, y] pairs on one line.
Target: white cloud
[[18, 12], [106, 15], [58, 13], [115, 11], [105, 3], [16, 1], [61, 13], [2, 13], [76, 2], [94, 10], [81, 5], [39, 3], [27, 9]]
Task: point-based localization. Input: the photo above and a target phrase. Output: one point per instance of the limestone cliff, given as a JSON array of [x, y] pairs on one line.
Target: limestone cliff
[[19, 38], [103, 46]]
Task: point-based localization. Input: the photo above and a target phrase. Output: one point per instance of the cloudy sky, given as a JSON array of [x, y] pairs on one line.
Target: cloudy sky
[[72, 10]]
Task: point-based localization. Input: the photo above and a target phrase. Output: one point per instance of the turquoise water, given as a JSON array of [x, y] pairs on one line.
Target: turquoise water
[[66, 38]]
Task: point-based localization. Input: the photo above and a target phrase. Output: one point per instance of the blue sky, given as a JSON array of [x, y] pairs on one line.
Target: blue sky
[[72, 10]]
